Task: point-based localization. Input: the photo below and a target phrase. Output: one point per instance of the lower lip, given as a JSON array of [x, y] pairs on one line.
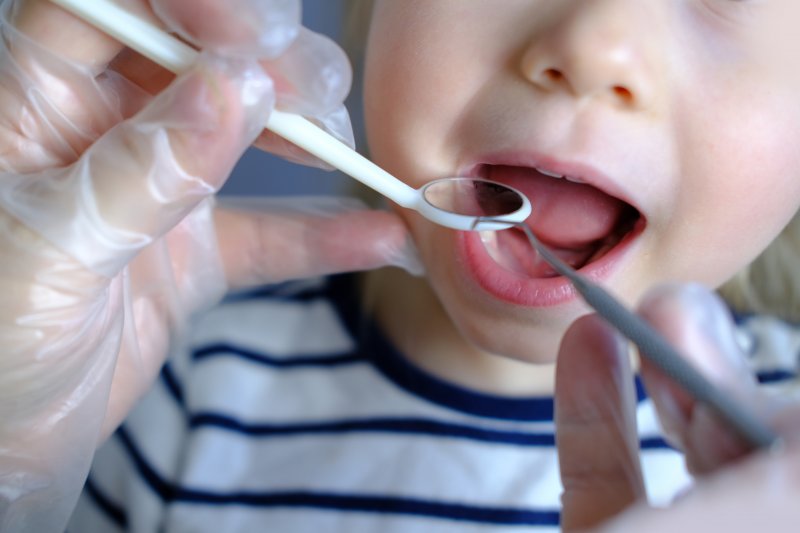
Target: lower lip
[[534, 292]]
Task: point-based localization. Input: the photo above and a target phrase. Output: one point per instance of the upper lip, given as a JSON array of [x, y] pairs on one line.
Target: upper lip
[[548, 164]]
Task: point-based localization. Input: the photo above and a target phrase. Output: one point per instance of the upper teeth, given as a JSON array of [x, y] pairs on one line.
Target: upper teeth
[[549, 173], [557, 175]]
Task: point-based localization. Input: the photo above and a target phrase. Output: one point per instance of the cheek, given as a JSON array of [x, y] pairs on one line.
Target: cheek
[[739, 184], [432, 242], [407, 129], [394, 99], [422, 74], [436, 247]]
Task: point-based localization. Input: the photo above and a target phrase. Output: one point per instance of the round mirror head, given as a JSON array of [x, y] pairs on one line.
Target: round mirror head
[[473, 197], [461, 203]]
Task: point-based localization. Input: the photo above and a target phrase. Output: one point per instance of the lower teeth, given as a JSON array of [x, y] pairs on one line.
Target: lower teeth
[[600, 252], [518, 257]]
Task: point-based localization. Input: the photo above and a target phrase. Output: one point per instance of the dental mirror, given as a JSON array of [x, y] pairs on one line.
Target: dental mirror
[[473, 204], [458, 203]]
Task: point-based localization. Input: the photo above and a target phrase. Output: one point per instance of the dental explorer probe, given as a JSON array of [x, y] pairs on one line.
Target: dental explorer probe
[[659, 351]]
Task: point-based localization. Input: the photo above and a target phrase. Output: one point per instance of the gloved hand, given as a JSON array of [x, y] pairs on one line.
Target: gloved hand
[[109, 236], [598, 445]]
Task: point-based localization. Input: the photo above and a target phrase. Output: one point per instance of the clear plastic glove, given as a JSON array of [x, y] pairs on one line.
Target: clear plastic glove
[[108, 231], [311, 74], [596, 430]]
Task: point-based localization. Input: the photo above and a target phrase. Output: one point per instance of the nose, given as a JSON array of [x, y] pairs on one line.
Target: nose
[[599, 49]]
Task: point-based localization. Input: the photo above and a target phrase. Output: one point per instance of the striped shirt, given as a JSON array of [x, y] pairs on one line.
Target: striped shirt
[[289, 411]]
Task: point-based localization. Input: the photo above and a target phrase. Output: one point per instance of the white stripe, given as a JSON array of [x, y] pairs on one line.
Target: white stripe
[[279, 328], [380, 463], [255, 393], [195, 519], [647, 420], [665, 475], [383, 464]]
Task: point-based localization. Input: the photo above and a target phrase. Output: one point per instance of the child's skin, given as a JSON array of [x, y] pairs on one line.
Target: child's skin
[[687, 110]]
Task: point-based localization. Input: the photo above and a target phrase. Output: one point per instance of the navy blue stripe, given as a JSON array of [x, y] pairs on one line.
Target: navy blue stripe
[[641, 393], [344, 294], [740, 317], [163, 488], [654, 443], [398, 425], [288, 291], [113, 511], [396, 368], [376, 425], [776, 376], [410, 378], [169, 492], [227, 350], [171, 383], [381, 505]]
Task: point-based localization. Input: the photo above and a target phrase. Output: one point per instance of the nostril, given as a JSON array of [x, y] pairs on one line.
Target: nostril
[[623, 94], [553, 75]]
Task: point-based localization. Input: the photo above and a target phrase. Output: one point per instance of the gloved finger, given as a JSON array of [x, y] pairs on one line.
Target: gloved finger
[[337, 123], [697, 323], [311, 73], [55, 102], [249, 28], [145, 74], [268, 241], [63, 34], [167, 282], [312, 77], [147, 173], [598, 445]]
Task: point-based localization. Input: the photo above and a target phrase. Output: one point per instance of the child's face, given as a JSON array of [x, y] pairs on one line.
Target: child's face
[[682, 117]]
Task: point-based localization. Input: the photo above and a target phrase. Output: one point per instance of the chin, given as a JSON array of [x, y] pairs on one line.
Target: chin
[[497, 325], [536, 345]]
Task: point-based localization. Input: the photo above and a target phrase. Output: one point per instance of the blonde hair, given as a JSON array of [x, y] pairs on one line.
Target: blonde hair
[[356, 27], [770, 284], [767, 285]]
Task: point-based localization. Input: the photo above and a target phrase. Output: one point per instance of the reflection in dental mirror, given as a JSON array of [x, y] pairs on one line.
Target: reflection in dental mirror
[[473, 197], [471, 204]]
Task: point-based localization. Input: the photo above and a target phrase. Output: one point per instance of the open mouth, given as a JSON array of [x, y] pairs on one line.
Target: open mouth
[[579, 222]]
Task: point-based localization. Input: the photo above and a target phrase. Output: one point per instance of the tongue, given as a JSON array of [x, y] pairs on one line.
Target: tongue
[[565, 214]]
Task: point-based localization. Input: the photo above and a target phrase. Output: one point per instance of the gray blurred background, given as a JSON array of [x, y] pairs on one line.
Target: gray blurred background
[[259, 173]]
